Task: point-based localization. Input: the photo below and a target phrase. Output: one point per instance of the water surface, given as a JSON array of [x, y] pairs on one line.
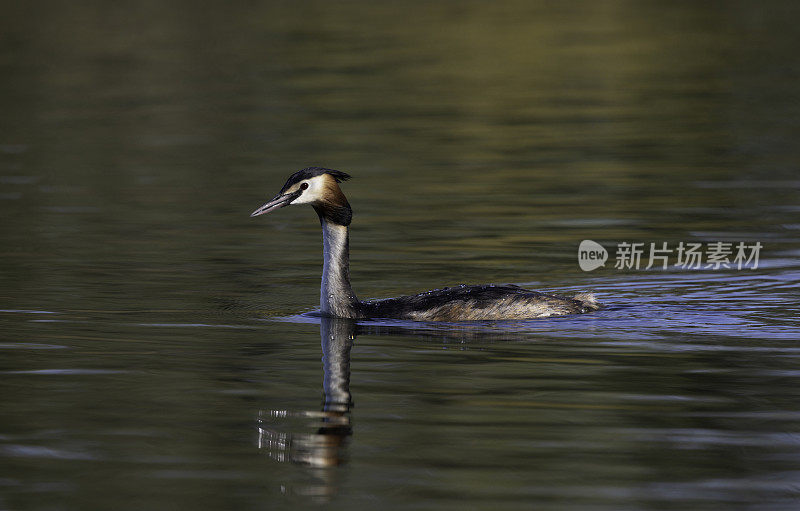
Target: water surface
[[156, 346]]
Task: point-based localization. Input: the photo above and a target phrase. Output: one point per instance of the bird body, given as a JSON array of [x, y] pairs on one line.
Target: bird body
[[319, 187]]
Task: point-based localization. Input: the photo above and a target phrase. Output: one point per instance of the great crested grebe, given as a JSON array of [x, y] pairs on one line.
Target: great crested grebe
[[320, 188]]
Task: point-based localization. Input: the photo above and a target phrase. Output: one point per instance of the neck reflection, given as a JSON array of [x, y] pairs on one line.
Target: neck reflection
[[325, 447]]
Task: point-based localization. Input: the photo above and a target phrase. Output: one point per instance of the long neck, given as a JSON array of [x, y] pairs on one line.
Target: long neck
[[336, 297]]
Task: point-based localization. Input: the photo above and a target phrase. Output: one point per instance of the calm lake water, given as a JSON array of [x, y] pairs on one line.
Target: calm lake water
[[156, 346]]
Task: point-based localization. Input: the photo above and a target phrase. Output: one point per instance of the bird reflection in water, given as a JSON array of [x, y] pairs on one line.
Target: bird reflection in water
[[325, 447]]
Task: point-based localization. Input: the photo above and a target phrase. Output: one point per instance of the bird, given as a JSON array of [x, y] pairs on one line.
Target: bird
[[319, 188]]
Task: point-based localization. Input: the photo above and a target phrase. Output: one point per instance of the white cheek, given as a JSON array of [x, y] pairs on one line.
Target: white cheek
[[303, 199], [312, 193]]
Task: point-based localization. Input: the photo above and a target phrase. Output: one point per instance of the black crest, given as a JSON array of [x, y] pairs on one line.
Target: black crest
[[310, 172]]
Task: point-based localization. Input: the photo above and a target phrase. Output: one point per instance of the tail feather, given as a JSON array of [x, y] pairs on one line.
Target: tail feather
[[588, 300]]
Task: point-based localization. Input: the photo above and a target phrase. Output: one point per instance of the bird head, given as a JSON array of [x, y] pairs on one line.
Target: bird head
[[318, 187]]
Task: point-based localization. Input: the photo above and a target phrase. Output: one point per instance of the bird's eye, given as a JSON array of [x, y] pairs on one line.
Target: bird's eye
[[304, 186]]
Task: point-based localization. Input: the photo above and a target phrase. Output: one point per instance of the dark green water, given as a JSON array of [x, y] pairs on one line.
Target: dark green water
[[153, 348]]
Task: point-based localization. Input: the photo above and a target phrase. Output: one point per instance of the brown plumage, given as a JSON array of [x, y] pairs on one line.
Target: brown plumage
[[479, 303]]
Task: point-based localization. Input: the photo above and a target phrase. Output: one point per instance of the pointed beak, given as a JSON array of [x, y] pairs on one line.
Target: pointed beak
[[277, 202]]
